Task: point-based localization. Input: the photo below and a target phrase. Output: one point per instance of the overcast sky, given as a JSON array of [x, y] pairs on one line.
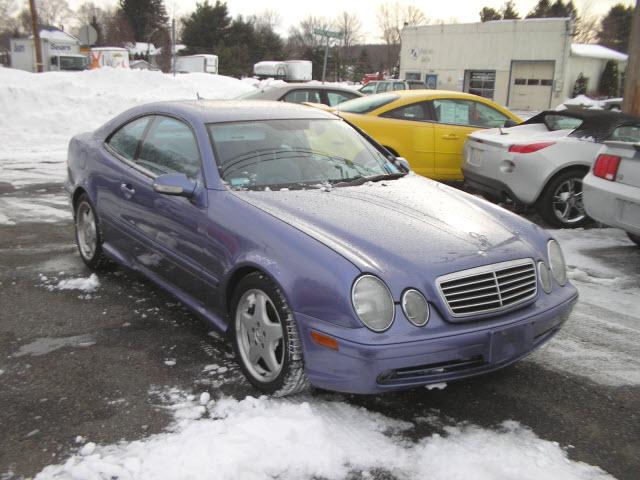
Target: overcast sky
[[291, 12]]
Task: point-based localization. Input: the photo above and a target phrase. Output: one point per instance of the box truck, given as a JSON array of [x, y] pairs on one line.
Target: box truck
[[114, 57], [289, 70], [60, 52], [203, 63]]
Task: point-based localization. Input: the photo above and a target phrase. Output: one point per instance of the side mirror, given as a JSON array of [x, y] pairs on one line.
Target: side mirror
[[509, 123], [404, 163], [174, 184]]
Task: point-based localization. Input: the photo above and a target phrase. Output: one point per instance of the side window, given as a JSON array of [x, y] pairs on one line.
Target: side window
[[467, 112], [334, 98], [414, 112], [626, 133], [170, 147], [299, 96], [368, 88], [382, 87], [125, 141], [399, 86]]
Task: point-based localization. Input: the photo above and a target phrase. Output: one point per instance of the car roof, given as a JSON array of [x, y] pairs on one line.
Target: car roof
[[276, 91]]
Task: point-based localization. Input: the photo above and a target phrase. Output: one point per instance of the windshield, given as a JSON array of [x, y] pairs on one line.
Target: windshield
[[295, 154], [368, 104], [561, 122]]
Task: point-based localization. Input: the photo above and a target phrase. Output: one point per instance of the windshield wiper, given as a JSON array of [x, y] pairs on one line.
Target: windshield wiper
[[373, 178]]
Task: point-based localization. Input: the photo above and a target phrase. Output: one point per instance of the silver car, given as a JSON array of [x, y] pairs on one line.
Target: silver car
[[612, 186], [330, 95], [541, 162]]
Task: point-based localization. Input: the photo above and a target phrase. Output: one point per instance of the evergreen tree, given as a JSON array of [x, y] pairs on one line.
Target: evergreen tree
[[509, 11], [205, 27], [557, 9], [581, 85], [487, 14], [615, 28], [145, 17], [541, 10], [609, 80], [362, 66]]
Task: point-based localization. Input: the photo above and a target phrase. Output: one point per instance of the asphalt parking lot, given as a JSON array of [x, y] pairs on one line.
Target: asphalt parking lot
[[77, 364]]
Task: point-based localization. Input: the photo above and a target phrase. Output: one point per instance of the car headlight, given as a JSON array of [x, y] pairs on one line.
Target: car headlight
[[373, 303], [556, 261], [415, 307], [545, 277]]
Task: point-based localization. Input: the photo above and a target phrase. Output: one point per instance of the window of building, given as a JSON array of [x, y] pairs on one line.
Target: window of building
[[481, 82], [520, 81], [413, 76], [533, 81], [546, 82]]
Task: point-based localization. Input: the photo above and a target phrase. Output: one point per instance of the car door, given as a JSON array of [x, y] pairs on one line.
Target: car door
[[454, 120], [408, 131], [173, 225], [115, 187]]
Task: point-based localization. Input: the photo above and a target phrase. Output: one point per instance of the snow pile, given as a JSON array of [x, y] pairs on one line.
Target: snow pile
[[47, 109], [90, 284], [266, 438], [582, 101]]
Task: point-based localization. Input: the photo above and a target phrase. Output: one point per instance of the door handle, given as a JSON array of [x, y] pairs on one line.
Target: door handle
[[127, 190], [451, 136]]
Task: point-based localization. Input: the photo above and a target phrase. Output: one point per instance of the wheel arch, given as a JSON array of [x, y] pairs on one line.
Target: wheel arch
[[78, 192], [559, 171]]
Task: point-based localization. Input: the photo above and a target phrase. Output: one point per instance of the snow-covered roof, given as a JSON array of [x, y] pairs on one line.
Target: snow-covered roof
[[141, 48], [597, 51], [102, 49], [53, 33]]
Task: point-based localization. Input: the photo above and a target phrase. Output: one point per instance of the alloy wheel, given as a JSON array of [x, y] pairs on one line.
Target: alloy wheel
[[86, 230], [567, 201]]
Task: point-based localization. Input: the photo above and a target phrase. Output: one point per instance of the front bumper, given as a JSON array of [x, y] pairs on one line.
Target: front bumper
[[368, 369], [612, 203]]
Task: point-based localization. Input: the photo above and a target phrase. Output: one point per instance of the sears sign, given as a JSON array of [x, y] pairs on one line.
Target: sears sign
[[59, 47]]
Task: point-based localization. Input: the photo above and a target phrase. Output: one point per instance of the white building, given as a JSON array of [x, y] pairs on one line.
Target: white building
[[528, 64]]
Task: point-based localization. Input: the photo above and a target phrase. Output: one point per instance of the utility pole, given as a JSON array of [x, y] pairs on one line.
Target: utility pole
[[36, 36], [631, 103], [173, 45]]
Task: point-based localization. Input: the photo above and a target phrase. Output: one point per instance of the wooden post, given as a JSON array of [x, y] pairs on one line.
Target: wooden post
[[631, 103], [36, 36]]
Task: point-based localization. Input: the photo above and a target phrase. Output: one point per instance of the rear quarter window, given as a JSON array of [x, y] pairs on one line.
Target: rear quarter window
[[627, 133]]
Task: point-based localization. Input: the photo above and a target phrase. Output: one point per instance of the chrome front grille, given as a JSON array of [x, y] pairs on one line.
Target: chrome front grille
[[491, 288]]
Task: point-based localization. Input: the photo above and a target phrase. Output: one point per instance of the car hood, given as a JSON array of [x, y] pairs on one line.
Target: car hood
[[409, 227]]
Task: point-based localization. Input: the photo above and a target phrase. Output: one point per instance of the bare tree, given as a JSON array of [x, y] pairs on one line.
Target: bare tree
[[302, 37], [350, 26], [393, 17], [54, 12], [267, 19], [8, 13], [587, 25]]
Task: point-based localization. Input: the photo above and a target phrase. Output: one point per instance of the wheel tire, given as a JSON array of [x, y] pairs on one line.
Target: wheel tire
[[290, 378], [89, 245], [545, 204], [634, 238]]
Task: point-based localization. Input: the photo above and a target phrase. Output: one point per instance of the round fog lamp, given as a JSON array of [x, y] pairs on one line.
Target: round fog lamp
[[545, 277], [415, 307]]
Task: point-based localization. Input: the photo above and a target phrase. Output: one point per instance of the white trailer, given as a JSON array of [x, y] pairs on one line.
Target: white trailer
[[60, 52], [269, 69], [202, 63], [114, 57], [299, 70]]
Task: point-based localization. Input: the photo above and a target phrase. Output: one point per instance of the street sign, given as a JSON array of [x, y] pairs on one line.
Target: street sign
[[327, 33], [87, 35]]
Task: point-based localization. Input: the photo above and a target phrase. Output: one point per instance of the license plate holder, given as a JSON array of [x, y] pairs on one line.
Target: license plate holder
[[511, 342]]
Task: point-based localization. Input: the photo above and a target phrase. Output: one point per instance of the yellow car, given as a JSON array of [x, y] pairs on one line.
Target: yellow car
[[427, 127]]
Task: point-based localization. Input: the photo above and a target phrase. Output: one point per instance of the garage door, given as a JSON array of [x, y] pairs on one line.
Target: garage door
[[531, 84]]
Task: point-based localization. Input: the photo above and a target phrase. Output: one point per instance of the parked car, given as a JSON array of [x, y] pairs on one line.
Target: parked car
[[541, 163], [330, 95], [427, 127], [326, 261], [381, 86], [612, 186]]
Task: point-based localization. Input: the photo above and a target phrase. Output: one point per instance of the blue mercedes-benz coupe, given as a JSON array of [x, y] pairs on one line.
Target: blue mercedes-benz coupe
[[323, 257]]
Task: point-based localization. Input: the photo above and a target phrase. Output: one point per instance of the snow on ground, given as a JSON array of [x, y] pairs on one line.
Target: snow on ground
[[45, 345], [601, 339], [262, 438], [48, 208], [43, 111]]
